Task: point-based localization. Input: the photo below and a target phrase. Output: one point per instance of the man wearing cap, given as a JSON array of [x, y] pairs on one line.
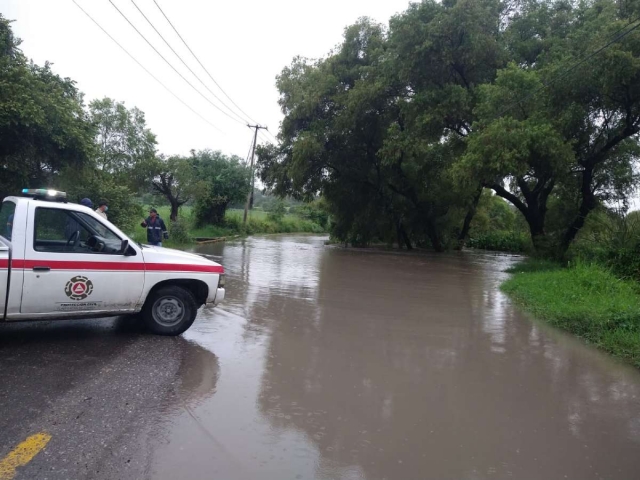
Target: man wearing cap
[[102, 209], [156, 229]]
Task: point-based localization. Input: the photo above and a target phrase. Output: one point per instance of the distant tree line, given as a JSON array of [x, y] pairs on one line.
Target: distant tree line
[[402, 127]]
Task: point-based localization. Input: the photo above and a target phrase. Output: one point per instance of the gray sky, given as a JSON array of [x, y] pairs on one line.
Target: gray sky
[[244, 45]]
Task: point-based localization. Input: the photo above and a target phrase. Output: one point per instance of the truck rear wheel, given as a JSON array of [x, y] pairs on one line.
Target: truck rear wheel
[[170, 310]]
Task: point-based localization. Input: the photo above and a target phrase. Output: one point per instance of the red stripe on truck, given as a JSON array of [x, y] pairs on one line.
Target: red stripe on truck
[[114, 266]]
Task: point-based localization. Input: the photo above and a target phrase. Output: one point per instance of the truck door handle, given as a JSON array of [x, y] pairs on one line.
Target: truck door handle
[[41, 269]]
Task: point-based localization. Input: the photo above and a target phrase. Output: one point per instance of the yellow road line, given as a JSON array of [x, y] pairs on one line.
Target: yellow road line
[[22, 454]]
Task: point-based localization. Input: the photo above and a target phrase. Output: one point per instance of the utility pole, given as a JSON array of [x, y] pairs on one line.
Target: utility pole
[[249, 204]]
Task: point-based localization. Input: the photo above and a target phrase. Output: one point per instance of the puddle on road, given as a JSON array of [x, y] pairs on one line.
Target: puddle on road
[[332, 364]]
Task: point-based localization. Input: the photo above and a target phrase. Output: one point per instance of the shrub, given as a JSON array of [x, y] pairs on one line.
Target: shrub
[[613, 241], [501, 241], [276, 211], [179, 231]]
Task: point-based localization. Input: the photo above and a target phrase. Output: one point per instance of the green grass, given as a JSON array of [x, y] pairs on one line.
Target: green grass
[[258, 222], [534, 265], [586, 300]]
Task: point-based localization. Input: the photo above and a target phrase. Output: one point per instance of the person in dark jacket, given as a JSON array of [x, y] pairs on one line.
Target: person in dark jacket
[[156, 229]]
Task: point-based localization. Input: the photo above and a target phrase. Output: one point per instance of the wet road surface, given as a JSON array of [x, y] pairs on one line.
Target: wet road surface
[[324, 364]]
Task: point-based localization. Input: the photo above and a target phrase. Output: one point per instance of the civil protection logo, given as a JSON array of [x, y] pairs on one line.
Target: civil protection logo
[[78, 288]]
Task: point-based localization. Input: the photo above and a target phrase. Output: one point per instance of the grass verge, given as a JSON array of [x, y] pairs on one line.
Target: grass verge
[[586, 300]]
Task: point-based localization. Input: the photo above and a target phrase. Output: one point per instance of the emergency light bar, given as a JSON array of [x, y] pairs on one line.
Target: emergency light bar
[[45, 194]]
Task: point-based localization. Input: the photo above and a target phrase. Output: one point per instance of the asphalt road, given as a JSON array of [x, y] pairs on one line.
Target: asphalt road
[[98, 387]]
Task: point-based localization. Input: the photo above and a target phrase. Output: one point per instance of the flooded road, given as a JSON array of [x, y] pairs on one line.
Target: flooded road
[[336, 364], [325, 364]]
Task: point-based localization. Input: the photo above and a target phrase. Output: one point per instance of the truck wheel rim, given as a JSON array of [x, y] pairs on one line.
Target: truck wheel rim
[[168, 311]]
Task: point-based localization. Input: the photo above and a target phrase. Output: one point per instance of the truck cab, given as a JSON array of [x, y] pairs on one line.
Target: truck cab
[[61, 260]]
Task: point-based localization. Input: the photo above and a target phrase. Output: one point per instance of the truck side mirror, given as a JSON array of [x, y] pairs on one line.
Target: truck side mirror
[[124, 247]]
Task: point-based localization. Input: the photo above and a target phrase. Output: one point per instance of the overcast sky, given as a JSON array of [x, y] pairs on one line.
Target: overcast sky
[[243, 44]]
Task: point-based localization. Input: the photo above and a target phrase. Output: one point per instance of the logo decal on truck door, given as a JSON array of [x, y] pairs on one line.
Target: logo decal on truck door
[[78, 288]]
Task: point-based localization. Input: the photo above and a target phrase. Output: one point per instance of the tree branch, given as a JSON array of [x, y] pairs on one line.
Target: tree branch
[[507, 195]]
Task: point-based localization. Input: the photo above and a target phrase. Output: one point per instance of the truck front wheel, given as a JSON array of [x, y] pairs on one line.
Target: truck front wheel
[[170, 310]]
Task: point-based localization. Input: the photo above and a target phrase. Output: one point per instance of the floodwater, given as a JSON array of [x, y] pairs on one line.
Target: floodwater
[[331, 364]]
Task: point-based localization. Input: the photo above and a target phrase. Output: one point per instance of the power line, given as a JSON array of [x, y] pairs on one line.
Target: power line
[[170, 65], [272, 135], [263, 138], [184, 63], [144, 68], [577, 64], [200, 63]]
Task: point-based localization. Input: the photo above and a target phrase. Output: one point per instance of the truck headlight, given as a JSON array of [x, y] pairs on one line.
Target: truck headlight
[[221, 281]]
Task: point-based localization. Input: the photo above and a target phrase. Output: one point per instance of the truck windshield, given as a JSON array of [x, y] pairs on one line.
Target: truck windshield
[[7, 212]]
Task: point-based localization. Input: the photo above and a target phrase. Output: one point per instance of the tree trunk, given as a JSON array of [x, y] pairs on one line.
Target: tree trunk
[[174, 209], [471, 212], [432, 233], [402, 236], [587, 204], [534, 212]]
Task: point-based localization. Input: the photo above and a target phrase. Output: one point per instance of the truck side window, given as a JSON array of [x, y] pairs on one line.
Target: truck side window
[[7, 214], [63, 231]]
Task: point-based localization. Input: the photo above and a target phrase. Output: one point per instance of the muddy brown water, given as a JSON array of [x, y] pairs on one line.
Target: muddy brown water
[[331, 364]]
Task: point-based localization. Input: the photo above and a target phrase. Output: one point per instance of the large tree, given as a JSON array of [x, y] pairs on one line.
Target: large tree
[[43, 126], [440, 54], [126, 147], [547, 130], [377, 125], [222, 180], [175, 179]]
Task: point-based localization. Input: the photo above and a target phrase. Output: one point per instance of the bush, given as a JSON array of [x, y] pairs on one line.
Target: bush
[[613, 241], [179, 231], [501, 241], [123, 212], [314, 211], [276, 211]]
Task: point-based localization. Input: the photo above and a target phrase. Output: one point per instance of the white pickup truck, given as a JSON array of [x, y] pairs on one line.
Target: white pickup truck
[[61, 260]]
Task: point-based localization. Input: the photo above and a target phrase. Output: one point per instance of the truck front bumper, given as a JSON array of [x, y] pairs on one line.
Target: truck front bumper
[[219, 296]]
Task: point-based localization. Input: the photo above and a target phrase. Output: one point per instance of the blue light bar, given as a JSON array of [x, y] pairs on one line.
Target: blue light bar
[[45, 194]]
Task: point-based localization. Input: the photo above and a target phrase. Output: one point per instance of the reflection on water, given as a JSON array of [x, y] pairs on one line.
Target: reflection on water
[[340, 364]]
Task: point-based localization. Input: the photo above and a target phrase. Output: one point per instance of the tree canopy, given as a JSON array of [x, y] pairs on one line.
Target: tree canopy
[[43, 125], [402, 126]]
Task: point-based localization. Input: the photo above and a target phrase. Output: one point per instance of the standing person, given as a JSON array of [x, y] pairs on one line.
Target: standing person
[[102, 209], [156, 229]]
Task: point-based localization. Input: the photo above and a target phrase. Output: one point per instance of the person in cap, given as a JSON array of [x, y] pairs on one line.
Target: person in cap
[[102, 209], [156, 229]]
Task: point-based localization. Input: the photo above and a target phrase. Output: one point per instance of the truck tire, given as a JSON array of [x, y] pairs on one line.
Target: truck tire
[[170, 310]]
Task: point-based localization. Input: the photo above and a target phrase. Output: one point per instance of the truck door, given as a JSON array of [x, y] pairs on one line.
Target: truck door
[[73, 266], [4, 277], [7, 214]]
